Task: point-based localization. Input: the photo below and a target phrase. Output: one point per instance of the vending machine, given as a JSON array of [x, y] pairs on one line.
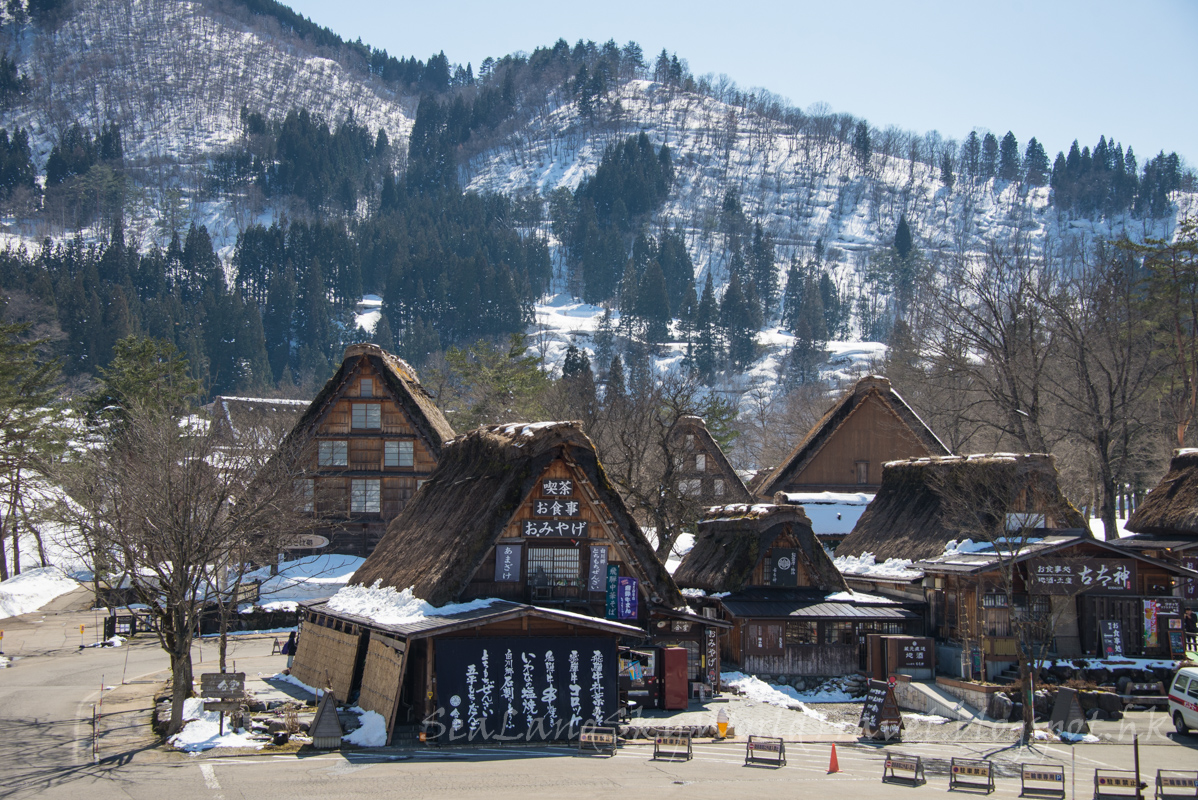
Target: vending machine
[[675, 678]]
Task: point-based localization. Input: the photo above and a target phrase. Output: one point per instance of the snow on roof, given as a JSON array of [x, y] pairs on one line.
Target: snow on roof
[[278, 401], [386, 606], [828, 498], [864, 565], [860, 597]]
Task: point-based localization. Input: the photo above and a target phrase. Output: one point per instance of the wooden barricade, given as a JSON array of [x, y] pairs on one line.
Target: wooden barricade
[[768, 750], [598, 739], [971, 773], [1050, 776], [672, 746], [896, 763], [1123, 781], [1174, 784]]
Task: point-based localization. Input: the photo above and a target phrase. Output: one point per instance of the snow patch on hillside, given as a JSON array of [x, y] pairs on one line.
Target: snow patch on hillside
[[32, 589]]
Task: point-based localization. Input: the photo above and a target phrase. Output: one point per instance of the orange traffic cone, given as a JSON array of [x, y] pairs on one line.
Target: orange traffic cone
[[833, 765]]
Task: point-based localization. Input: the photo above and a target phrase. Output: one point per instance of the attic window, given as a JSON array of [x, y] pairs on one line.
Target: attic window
[[367, 415], [701, 463], [366, 388], [862, 472], [398, 454], [719, 487], [333, 454], [690, 441]]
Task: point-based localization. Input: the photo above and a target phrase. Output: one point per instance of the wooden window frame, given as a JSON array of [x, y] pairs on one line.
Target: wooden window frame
[[327, 454]]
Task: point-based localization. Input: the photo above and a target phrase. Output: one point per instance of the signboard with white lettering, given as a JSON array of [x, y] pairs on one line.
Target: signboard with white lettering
[[507, 563], [1190, 585], [551, 487], [1074, 575], [563, 529], [306, 541], [556, 508], [785, 567], [522, 689], [224, 685], [915, 654], [597, 578], [613, 588], [1112, 638], [626, 599]]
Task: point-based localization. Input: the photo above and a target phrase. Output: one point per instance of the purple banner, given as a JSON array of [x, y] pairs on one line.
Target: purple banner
[[626, 600]]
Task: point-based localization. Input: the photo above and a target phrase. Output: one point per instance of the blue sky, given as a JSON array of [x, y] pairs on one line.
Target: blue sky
[[1056, 70]]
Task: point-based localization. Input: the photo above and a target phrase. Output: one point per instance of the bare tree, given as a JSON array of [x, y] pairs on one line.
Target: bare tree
[[173, 507]]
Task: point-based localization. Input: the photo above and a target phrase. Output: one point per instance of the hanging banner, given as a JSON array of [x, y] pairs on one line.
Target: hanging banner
[[613, 588], [1151, 635], [597, 580], [785, 567], [626, 600], [507, 563], [1190, 585], [523, 688]]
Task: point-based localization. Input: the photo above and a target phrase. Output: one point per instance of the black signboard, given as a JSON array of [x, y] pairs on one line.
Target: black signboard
[[880, 716], [597, 578], [1177, 644], [507, 563], [224, 685], [563, 529], [1067, 714], [556, 508], [1074, 575], [524, 689], [1111, 631], [551, 487], [915, 653], [785, 567]]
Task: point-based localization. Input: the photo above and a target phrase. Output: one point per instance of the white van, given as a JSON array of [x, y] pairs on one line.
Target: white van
[[1183, 700]]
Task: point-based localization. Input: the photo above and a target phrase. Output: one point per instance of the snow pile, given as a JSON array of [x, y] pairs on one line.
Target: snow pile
[[372, 732], [115, 641], [866, 566], [387, 606], [5, 662], [966, 546], [286, 677], [860, 597], [693, 593], [1063, 736], [754, 688], [32, 589], [203, 731], [927, 719], [308, 578]]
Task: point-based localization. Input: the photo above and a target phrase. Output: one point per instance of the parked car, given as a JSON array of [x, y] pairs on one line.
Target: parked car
[[1183, 700]]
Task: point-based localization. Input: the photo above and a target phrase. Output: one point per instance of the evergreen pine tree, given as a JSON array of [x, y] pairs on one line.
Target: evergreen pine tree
[[902, 237], [862, 147], [653, 305], [707, 348], [616, 391], [737, 320], [1035, 163], [605, 339], [1008, 158], [989, 166], [793, 296]]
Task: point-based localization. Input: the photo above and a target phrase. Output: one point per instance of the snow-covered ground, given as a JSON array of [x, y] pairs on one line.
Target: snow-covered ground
[[202, 732], [32, 589], [754, 688], [304, 579]]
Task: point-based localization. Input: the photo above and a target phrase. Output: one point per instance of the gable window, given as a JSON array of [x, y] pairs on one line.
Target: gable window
[[553, 566], [333, 454], [367, 415], [366, 387], [398, 454], [364, 496], [690, 441], [700, 463], [305, 490], [862, 472], [719, 487]]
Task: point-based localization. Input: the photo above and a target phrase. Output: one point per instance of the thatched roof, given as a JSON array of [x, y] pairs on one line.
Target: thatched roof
[[1171, 509], [732, 539], [908, 518], [870, 386], [399, 377], [247, 420], [442, 536]]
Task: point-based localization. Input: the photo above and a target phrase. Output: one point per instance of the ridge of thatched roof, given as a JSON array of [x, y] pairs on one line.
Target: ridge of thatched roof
[[835, 417], [403, 382], [443, 534], [907, 520], [731, 540], [240, 418], [689, 423], [1171, 509]]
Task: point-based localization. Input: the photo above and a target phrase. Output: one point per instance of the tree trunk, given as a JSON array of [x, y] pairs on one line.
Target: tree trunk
[[224, 633], [1029, 699], [16, 547], [3, 556]]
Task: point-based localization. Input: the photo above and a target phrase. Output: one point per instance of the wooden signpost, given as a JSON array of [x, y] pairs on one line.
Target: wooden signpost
[[880, 716], [226, 689]]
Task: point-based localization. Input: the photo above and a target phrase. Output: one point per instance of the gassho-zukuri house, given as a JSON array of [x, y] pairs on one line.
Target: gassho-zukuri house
[[1165, 525], [517, 517], [763, 570], [1037, 561]]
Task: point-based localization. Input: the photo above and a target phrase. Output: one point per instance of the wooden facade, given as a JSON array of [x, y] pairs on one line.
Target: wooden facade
[[375, 436], [701, 469], [869, 426]]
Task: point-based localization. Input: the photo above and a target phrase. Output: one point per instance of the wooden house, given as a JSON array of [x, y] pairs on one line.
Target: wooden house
[[246, 421], [703, 471], [523, 512], [502, 672], [910, 517], [1165, 525], [376, 436], [1066, 587], [790, 610], [867, 427]]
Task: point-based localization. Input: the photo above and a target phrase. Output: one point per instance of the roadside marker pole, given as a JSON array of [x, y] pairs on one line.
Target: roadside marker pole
[[1135, 746], [1073, 769], [80, 637]]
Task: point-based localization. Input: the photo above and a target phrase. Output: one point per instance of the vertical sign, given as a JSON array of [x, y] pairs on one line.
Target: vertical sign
[[613, 586], [1111, 632], [597, 580], [507, 563], [1190, 586], [626, 599], [785, 567], [712, 656], [1150, 628]]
